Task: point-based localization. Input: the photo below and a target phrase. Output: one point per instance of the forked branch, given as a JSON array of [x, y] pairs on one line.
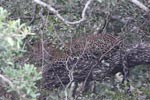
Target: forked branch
[[53, 10]]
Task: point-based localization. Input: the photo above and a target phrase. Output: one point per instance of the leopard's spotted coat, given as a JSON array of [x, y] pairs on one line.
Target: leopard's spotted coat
[[83, 61]]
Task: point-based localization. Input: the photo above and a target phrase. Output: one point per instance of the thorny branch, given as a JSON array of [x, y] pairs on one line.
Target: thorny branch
[[53, 10]]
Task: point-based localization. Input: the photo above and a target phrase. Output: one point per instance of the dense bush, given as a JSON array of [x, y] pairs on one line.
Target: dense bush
[[23, 78], [123, 18]]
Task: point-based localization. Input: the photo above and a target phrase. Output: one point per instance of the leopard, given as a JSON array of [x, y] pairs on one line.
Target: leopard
[[95, 43], [83, 62]]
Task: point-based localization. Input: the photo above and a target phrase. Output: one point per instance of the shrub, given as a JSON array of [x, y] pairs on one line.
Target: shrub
[[24, 77]]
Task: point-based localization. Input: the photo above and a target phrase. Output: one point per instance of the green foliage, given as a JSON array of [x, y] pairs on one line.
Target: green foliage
[[23, 77], [12, 34], [3, 14]]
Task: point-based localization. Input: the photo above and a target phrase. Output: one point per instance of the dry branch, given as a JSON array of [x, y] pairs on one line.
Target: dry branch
[[53, 10], [140, 5], [5, 83]]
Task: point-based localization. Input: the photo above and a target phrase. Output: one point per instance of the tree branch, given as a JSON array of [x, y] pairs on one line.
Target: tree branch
[[5, 83], [53, 10], [140, 5]]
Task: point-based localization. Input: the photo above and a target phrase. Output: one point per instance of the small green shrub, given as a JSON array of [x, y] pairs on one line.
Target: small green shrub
[[23, 77], [11, 38]]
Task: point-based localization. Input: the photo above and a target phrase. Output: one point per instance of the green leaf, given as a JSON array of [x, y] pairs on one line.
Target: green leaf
[[10, 41]]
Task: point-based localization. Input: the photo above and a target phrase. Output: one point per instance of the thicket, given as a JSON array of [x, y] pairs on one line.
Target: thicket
[[18, 80], [22, 52]]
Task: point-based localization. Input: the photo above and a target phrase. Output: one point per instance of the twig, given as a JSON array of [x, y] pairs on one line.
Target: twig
[[71, 77], [34, 14], [5, 83], [53, 10], [41, 33]]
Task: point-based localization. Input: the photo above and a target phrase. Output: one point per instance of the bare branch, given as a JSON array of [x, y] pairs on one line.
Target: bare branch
[[53, 10], [5, 83], [71, 71], [141, 5]]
